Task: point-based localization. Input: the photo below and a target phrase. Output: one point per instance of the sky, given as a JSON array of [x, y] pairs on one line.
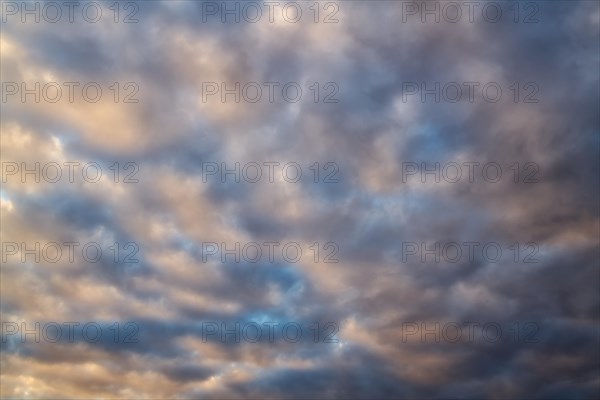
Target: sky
[[276, 200]]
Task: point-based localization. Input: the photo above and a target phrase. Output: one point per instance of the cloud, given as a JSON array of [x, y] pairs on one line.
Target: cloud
[[354, 203]]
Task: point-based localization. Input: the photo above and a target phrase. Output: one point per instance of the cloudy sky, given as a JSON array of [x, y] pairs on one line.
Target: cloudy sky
[[350, 199]]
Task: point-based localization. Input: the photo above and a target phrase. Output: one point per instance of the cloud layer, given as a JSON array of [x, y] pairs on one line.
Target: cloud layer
[[371, 119]]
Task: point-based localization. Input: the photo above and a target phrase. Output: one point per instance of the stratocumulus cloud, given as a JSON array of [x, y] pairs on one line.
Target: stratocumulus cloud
[[348, 199]]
